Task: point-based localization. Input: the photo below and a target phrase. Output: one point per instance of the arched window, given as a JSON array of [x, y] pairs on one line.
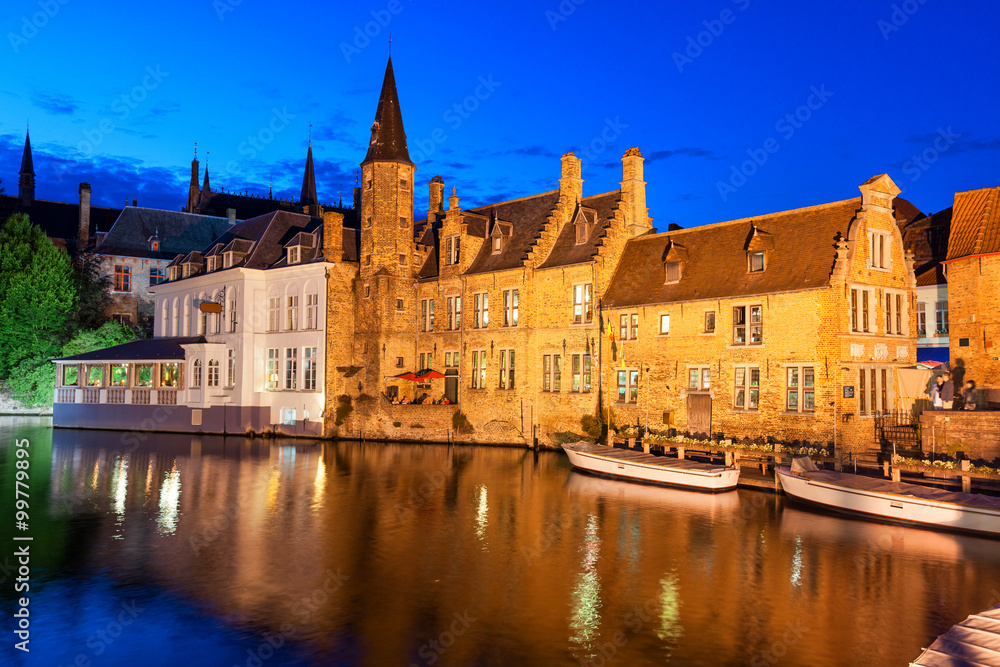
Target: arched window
[[186, 329], [196, 374], [174, 320], [213, 373], [164, 319]]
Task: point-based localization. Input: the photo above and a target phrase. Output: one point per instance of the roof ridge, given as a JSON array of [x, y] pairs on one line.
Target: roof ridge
[[511, 201], [163, 210], [601, 194], [984, 219], [749, 219]]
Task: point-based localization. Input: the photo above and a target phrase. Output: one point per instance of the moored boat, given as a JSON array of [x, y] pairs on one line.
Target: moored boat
[[892, 501], [640, 467]]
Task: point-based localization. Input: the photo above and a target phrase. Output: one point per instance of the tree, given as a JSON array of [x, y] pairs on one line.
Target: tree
[[37, 295], [93, 289]]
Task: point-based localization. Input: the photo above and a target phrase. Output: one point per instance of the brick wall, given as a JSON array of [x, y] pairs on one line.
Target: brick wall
[[974, 311], [975, 433]]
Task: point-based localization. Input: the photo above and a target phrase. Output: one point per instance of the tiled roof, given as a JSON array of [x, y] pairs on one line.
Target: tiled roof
[[178, 233], [975, 224], [153, 349], [927, 239], [803, 257], [527, 216], [566, 251], [59, 220]]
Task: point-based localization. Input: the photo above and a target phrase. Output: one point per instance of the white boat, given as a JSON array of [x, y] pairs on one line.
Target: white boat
[[639, 467], [893, 501]]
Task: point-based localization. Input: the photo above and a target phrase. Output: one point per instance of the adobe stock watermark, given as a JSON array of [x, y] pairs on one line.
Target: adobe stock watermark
[[420, 495], [455, 116], [786, 126], [432, 650], [923, 161], [696, 44], [223, 7], [591, 150], [562, 12], [900, 14], [100, 641], [634, 622], [363, 35], [30, 25], [255, 143]]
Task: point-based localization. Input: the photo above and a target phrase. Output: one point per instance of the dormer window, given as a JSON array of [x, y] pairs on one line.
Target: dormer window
[[582, 232], [211, 264], [293, 255], [154, 245], [672, 271], [227, 260], [497, 244], [756, 261]]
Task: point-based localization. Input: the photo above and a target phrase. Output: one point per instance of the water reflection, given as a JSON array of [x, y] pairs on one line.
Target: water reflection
[[241, 539]]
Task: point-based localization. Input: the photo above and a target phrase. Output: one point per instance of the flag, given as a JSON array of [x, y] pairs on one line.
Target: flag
[[611, 332], [622, 356]]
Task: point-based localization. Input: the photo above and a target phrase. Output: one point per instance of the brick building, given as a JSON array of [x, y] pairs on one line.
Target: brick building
[[973, 270], [788, 325], [927, 238]]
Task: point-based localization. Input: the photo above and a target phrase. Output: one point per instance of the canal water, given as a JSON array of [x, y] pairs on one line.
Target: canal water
[[152, 549]]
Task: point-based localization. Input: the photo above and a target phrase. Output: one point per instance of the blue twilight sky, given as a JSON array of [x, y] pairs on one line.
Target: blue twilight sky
[[821, 95]]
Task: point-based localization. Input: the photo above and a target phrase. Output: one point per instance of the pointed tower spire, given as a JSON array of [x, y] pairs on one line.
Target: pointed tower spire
[[26, 182], [308, 196], [206, 190], [193, 191], [388, 142]]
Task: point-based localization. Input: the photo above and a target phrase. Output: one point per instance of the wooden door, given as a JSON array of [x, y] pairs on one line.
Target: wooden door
[[699, 415], [451, 388]]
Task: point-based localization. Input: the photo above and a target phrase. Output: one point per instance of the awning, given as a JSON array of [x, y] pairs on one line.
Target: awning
[[428, 374]]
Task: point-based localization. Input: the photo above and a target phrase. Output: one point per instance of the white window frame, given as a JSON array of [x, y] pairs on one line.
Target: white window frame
[[292, 312], [747, 388], [879, 394], [273, 313], [480, 310], [858, 313], [879, 250], [312, 310], [581, 373], [631, 385], [748, 324], [309, 368], [583, 303], [507, 359], [896, 312], [231, 368], [795, 386], [272, 369], [702, 376], [511, 306], [552, 373], [452, 249], [664, 324], [291, 368], [478, 369], [941, 317], [454, 304]]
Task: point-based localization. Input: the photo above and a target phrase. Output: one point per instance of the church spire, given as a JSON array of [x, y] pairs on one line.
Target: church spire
[[26, 182], [193, 191], [206, 191], [308, 196], [388, 142]]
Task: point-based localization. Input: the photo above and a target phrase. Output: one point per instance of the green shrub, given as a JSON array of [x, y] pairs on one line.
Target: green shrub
[[592, 426]]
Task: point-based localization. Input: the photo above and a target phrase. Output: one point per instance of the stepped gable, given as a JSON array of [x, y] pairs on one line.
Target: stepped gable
[[975, 223], [716, 266], [526, 216], [177, 232], [599, 210]]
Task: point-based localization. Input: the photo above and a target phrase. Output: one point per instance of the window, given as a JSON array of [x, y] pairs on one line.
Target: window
[[583, 311], [368, 221], [123, 278], [368, 184], [664, 323], [292, 319], [312, 311], [747, 388], [309, 369], [628, 328], [232, 316], [451, 359], [875, 390], [628, 386], [402, 222], [291, 367], [196, 373], [634, 329], [213, 372], [861, 315], [273, 305], [623, 327], [672, 271], [941, 314], [581, 373], [154, 245], [402, 260], [399, 304], [582, 232], [510, 300], [293, 255], [506, 369], [479, 369], [227, 260], [156, 275], [756, 323], [272, 368], [921, 318], [368, 291], [709, 321], [755, 261], [893, 313], [70, 373], [552, 372], [231, 369], [399, 362], [451, 254], [427, 315], [699, 378], [203, 322], [404, 184], [210, 264], [288, 416], [480, 310], [426, 361], [880, 250], [497, 244], [169, 374], [800, 389], [454, 312]]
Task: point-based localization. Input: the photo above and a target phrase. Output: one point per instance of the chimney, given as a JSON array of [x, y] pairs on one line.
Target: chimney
[[435, 199], [453, 202], [135, 203], [333, 236], [357, 199], [83, 230], [570, 183], [637, 219], [231, 214]]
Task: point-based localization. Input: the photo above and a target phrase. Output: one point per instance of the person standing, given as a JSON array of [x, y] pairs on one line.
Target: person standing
[[936, 393], [947, 392], [971, 395]]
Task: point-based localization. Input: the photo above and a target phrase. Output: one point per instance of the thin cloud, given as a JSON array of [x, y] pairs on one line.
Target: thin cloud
[[688, 151], [58, 103]]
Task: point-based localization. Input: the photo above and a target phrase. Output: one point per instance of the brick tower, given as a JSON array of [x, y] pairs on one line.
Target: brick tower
[[385, 310]]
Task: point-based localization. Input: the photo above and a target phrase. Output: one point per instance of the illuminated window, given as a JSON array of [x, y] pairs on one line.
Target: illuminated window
[[479, 369], [480, 310], [583, 311], [506, 369], [628, 385], [271, 368], [747, 388], [800, 389], [123, 278], [510, 307], [291, 367], [213, 372], [755, 261], [309, 369]]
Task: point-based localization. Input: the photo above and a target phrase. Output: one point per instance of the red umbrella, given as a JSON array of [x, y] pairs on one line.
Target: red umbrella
[[406, 376], [429, 374]]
